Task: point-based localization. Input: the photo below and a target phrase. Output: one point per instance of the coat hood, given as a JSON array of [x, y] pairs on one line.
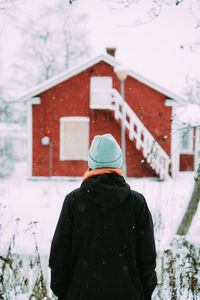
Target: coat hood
[[106, 190]]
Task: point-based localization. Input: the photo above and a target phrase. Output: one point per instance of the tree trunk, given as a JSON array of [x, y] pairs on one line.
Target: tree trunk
[[192, 206]]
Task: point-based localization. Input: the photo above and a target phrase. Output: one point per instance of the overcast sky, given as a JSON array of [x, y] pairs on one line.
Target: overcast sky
[[152, 49]]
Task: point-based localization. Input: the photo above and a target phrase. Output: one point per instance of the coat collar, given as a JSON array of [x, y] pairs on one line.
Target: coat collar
[[92, 173]]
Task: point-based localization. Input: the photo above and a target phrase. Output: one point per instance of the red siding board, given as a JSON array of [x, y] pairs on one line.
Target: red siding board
[[186, 162], [71, 98]]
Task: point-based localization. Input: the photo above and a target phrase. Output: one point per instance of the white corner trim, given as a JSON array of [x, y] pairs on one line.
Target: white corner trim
[[30, 138], [175, 145], [176, 102], [197, 148], [35, 100], [170, 102]]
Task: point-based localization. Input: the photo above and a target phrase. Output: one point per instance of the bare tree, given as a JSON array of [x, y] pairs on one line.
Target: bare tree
[[52, 39], [192, 90]]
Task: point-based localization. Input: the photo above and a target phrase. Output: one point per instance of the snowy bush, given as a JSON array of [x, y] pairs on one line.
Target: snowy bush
[[178, 271], [12, 281], [22, 275]]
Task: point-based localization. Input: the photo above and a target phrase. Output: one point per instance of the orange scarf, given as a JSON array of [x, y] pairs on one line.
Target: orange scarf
[[92, 173]]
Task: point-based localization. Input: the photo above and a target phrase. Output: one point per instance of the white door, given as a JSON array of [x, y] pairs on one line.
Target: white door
[[100, 92]]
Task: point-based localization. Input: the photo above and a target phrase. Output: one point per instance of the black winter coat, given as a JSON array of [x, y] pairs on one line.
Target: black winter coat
[[103, 246]]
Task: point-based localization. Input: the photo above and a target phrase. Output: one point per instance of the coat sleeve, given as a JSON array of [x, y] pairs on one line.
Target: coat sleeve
[[146, 250], [60, 253]]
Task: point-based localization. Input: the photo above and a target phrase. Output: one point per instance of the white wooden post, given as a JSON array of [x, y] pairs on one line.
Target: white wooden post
[[175, 144], [30, 103]]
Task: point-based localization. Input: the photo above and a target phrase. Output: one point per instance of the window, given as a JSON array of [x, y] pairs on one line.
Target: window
[[187, 140], [74, 138]]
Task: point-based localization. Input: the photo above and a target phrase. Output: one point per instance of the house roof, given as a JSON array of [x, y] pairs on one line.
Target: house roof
[[82, 67]]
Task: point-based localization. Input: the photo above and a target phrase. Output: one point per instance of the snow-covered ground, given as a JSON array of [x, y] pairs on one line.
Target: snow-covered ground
[[29, 210], [24, 201]]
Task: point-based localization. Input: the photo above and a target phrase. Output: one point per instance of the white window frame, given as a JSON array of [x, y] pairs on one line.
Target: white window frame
[[72, 119], [190, 149]]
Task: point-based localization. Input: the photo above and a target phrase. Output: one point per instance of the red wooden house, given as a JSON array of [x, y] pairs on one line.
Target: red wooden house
[[67, 111]]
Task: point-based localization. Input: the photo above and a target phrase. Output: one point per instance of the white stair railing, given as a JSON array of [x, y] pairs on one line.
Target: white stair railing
[[156, 157]]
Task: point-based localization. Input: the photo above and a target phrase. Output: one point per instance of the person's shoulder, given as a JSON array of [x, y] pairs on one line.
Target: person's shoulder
[[137, 197], [138, 200], [72, 196], [141, 209]]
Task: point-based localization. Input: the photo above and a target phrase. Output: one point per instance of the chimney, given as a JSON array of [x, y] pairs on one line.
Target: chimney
[[111, 51]]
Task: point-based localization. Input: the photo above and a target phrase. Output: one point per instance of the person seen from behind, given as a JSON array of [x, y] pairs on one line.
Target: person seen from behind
[[103, 247]]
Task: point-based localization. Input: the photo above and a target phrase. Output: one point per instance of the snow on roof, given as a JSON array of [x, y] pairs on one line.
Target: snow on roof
[[79, 68], [189, 114]]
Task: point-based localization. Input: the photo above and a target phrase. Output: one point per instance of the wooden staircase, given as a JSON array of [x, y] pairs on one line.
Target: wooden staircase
[[155, 156]]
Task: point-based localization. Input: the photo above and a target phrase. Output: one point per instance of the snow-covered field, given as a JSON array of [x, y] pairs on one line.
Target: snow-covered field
[[30, 209]]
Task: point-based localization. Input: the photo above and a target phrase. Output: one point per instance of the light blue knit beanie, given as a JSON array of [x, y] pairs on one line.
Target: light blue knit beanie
[[104, 152]]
